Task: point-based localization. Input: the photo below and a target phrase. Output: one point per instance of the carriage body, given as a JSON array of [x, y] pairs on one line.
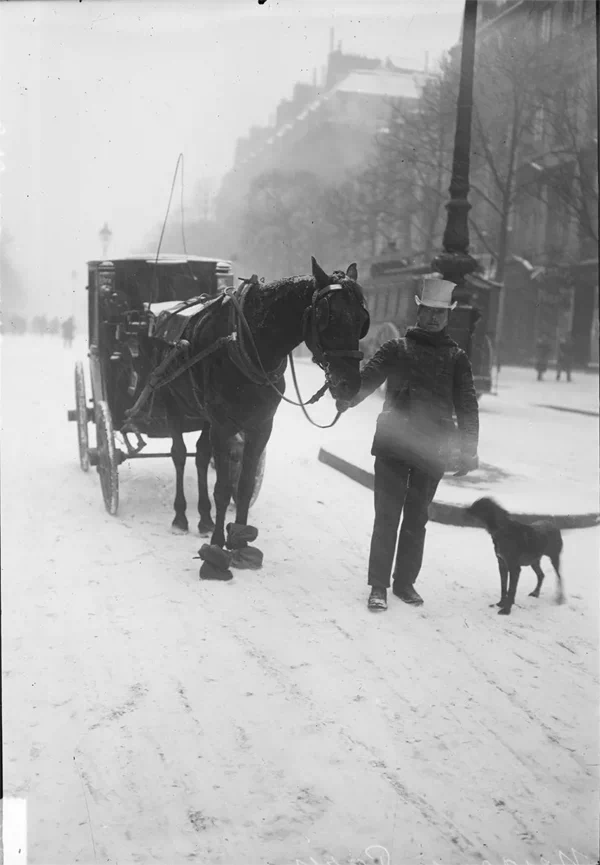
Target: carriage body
[[390, 293], [125, 296]]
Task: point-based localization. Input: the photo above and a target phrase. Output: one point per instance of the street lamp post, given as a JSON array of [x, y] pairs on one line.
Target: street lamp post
[[454, 263], [105, 237]]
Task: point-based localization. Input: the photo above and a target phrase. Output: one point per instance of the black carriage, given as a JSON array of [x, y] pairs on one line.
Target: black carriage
[[390, 294], [132, 302]]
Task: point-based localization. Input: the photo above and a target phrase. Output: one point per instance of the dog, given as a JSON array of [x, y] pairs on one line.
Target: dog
[[518, 545]]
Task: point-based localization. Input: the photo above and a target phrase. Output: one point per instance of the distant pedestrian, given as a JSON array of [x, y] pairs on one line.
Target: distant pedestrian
[[542, 355], [564, 361], [428, 378], [68, 331]]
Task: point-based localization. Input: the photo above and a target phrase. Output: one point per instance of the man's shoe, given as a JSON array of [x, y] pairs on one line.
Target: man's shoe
[[408, 594], [377, 599]]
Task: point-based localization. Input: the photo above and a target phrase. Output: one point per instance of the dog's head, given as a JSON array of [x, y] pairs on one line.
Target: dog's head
[[487, 512]]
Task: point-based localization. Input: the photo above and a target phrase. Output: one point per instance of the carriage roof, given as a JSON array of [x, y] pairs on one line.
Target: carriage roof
[[165, 258]]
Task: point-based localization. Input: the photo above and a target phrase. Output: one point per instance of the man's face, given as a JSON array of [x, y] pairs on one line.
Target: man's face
[[432, 319]]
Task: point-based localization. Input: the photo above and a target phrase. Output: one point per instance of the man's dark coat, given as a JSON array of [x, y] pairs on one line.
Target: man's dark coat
[[429, 378]]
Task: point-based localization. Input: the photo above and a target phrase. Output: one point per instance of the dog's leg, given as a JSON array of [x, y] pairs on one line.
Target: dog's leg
[[560, 595], [540, 577], [514, 572], [503, 582]]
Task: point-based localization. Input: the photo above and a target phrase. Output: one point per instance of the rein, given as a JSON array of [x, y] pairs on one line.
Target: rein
[[267, 378], [320, 357]]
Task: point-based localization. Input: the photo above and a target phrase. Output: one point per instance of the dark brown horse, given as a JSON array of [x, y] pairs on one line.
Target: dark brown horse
[[238, 388]]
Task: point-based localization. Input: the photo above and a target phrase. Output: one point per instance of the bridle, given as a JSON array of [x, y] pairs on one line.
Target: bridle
[[314, 317]]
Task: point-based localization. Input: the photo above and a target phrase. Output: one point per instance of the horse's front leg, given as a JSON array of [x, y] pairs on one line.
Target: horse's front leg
[[255, 441], [221, 446], [240, 534], [178, 455], [203, 451]]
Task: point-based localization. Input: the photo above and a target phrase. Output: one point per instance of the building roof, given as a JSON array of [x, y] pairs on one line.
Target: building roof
[[381, 82]]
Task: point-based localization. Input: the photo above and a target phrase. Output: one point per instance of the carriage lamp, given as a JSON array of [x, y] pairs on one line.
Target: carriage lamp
[[105, 236]]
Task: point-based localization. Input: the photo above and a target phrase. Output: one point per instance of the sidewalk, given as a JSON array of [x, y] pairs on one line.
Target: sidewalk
[[538, 450]]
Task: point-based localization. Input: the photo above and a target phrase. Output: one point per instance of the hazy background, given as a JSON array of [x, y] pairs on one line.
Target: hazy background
[[99, 98]]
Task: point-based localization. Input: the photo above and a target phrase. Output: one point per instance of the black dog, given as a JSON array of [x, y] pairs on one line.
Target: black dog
[[518, 545]]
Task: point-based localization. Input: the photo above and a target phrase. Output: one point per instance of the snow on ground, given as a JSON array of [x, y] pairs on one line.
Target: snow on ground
[[151, 717]]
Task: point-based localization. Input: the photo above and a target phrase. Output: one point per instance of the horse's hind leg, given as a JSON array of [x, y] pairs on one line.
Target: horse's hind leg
[[178, 454], [221, 446], [203, 451]]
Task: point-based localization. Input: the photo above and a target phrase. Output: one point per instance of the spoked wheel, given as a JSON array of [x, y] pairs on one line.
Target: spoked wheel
[[81, 416], [107, 457], [260, 472]]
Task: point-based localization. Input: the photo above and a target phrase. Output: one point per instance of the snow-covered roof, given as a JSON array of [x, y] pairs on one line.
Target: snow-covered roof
[[381, 82]]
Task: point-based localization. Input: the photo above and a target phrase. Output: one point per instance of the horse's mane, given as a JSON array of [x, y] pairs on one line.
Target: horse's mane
[[279, 288]]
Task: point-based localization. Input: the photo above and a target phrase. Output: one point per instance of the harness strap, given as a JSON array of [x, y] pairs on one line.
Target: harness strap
[[155, 381]]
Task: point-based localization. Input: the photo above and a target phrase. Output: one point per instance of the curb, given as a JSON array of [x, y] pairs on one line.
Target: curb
[[453, 515]]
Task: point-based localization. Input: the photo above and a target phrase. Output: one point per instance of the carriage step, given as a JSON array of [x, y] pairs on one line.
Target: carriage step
[[72, 415]]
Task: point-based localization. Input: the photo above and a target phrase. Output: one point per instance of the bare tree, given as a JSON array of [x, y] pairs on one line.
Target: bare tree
[[565, 170], [509, 70], [282, 222], [415, 157]]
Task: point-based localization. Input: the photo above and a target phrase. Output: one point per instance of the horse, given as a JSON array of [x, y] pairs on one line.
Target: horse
[[237, 389]]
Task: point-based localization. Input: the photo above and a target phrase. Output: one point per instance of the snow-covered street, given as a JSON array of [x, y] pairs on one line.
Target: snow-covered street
[[152, 717]]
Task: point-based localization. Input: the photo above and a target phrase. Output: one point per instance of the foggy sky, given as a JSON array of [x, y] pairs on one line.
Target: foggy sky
[[98, 99]]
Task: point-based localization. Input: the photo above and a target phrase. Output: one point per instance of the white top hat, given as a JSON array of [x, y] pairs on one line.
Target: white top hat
[[436, 293]]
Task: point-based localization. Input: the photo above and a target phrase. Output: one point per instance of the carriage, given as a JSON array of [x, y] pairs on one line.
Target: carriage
[[390, 294], [133, 302]]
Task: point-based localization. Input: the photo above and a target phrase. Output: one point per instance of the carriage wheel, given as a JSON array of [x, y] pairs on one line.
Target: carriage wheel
[[107, 457], [81, 416], [260, 472]]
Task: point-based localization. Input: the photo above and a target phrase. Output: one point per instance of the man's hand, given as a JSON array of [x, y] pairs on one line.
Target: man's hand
[[342, 405], [466, 465]]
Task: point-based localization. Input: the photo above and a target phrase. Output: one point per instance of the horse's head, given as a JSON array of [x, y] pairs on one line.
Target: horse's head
[[335, 321]]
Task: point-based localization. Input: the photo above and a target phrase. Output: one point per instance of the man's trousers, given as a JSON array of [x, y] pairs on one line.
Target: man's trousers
[[400, 490]]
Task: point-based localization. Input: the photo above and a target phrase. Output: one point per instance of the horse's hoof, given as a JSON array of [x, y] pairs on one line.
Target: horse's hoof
[[178, 529], [216, 556], [534, 594], [210, 572], [247, 558], [504, 611], [239, 535], [206, 527]]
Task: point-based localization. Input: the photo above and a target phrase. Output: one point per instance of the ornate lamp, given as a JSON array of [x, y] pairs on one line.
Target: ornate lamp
[[105, 237]]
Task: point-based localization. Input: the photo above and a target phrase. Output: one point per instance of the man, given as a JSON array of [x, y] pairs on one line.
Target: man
[[564, 360], [428, 377], [542, 355]]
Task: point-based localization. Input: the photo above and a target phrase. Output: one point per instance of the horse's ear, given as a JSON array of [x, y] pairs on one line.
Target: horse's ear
[[352, 272], [319, 274]]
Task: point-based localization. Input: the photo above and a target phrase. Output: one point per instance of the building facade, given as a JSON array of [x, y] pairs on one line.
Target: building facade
[[325, 129]]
